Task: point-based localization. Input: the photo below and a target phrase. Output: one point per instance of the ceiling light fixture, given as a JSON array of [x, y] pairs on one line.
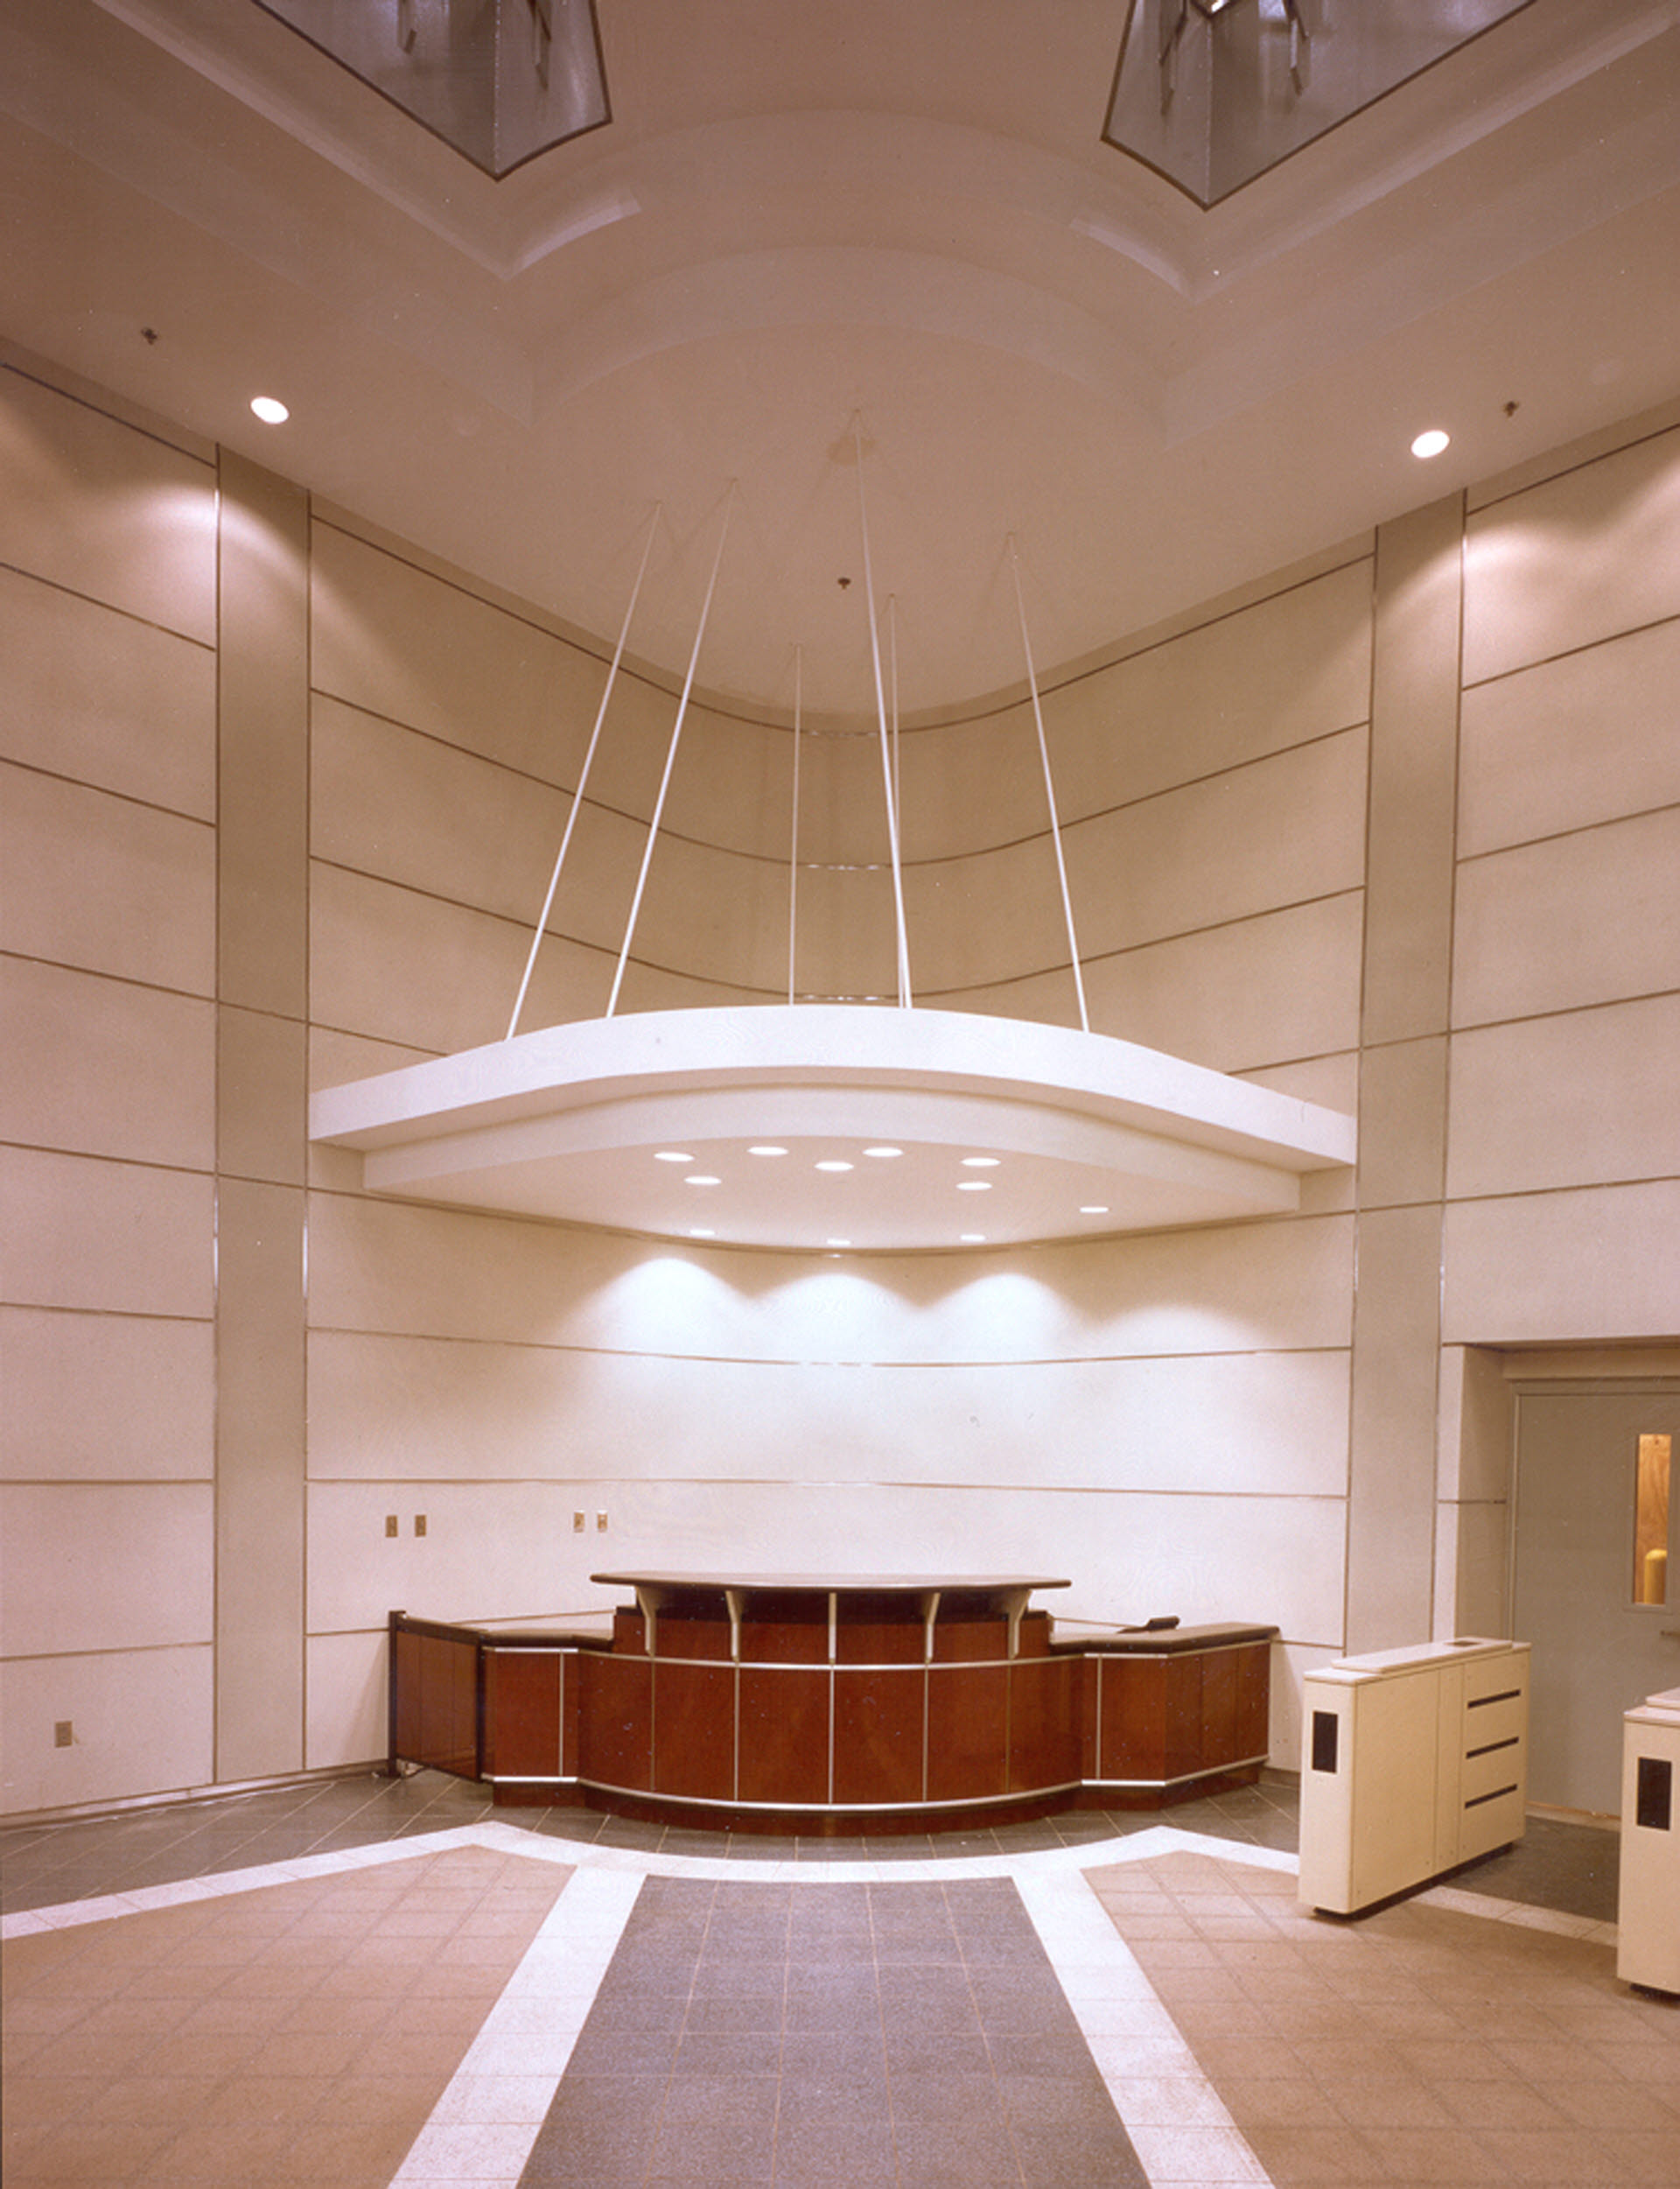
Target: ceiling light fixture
[[270, 409], [558, 1124], [1095, 1208], [971, 1238], [767, 1150], [1431, 443]]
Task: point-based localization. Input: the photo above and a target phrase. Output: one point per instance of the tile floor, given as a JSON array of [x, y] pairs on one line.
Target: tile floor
[[364, 1982]]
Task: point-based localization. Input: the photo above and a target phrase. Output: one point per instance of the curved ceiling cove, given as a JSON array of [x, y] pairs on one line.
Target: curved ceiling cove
[[784, 216]]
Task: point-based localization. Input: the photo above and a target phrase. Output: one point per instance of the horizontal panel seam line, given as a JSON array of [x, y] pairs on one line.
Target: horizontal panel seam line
[[1563, 836]]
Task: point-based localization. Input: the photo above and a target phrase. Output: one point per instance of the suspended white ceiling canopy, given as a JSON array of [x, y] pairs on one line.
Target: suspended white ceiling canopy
[[818, 1126]]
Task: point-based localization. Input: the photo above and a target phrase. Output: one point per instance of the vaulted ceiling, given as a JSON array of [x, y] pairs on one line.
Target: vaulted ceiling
[[807, 232]]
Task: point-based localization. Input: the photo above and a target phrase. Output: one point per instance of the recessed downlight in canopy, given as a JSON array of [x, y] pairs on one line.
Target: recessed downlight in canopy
[[880, 1110]]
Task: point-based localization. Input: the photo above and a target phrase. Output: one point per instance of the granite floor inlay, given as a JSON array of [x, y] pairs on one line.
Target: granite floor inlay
[[912, 2036], [1230, 2037]]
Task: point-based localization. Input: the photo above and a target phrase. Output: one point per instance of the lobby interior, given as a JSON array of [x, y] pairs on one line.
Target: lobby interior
[[885, 387]]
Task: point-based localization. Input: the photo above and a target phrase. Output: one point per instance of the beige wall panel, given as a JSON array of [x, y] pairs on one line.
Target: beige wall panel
[[105, 1068], [1409, 846], [732, 784], [847, 934], [142, 1726], [1577, 920], [970, 787], [1562, 1267], [347, 1685], [406, 808], [1403, 1125], [111, 701], [1579, 1100], [1394, 1416], [490, 1550], [1574, 560], [105, 1565], [429, 1408], [1288, 669], [1331, 1081], [1045, 998], [1557, 748], [384, 1265], [100, 882], [398, 966], [261, 1073], [1472, 1562], [993, 917], [655, 988], [1477, 1425], [1280, 833], [398, 642], [714, 915], [263, 738], [510, 1553], [843, 800], [77, 1233], [100, 1397], [114, 515], [1256, 993], [1128, 1556]]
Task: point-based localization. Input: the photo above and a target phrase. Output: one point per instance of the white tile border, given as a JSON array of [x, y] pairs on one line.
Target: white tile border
[[482, 2129]]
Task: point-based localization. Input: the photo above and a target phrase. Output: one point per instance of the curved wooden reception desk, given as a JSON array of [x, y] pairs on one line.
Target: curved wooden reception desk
[[831, 1703]]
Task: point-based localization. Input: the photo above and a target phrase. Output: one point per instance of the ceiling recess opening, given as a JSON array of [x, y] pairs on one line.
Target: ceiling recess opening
[[501, 81], [1212, 94]]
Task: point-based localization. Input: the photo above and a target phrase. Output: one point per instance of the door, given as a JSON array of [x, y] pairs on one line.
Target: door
[[1596, 1590]]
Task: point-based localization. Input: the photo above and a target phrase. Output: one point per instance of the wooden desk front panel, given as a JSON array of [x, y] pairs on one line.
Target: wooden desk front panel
[[435, 1683], [968, 1732], [879, 1721], [694, 1730], [785, 1732], [1045, 1700], [615, 1730], [523, 1691]]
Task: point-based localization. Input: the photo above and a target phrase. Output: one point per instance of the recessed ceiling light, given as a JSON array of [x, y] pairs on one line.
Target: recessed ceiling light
[[833, 1162], [699, 1230], [1095, 1208], [839, 1242], [981, 1162], [270, 409], [700, 1178], [882, 1154], [972, 1239], [974, 1185], [1432, 442], [672, 1155], [767, 1150]]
